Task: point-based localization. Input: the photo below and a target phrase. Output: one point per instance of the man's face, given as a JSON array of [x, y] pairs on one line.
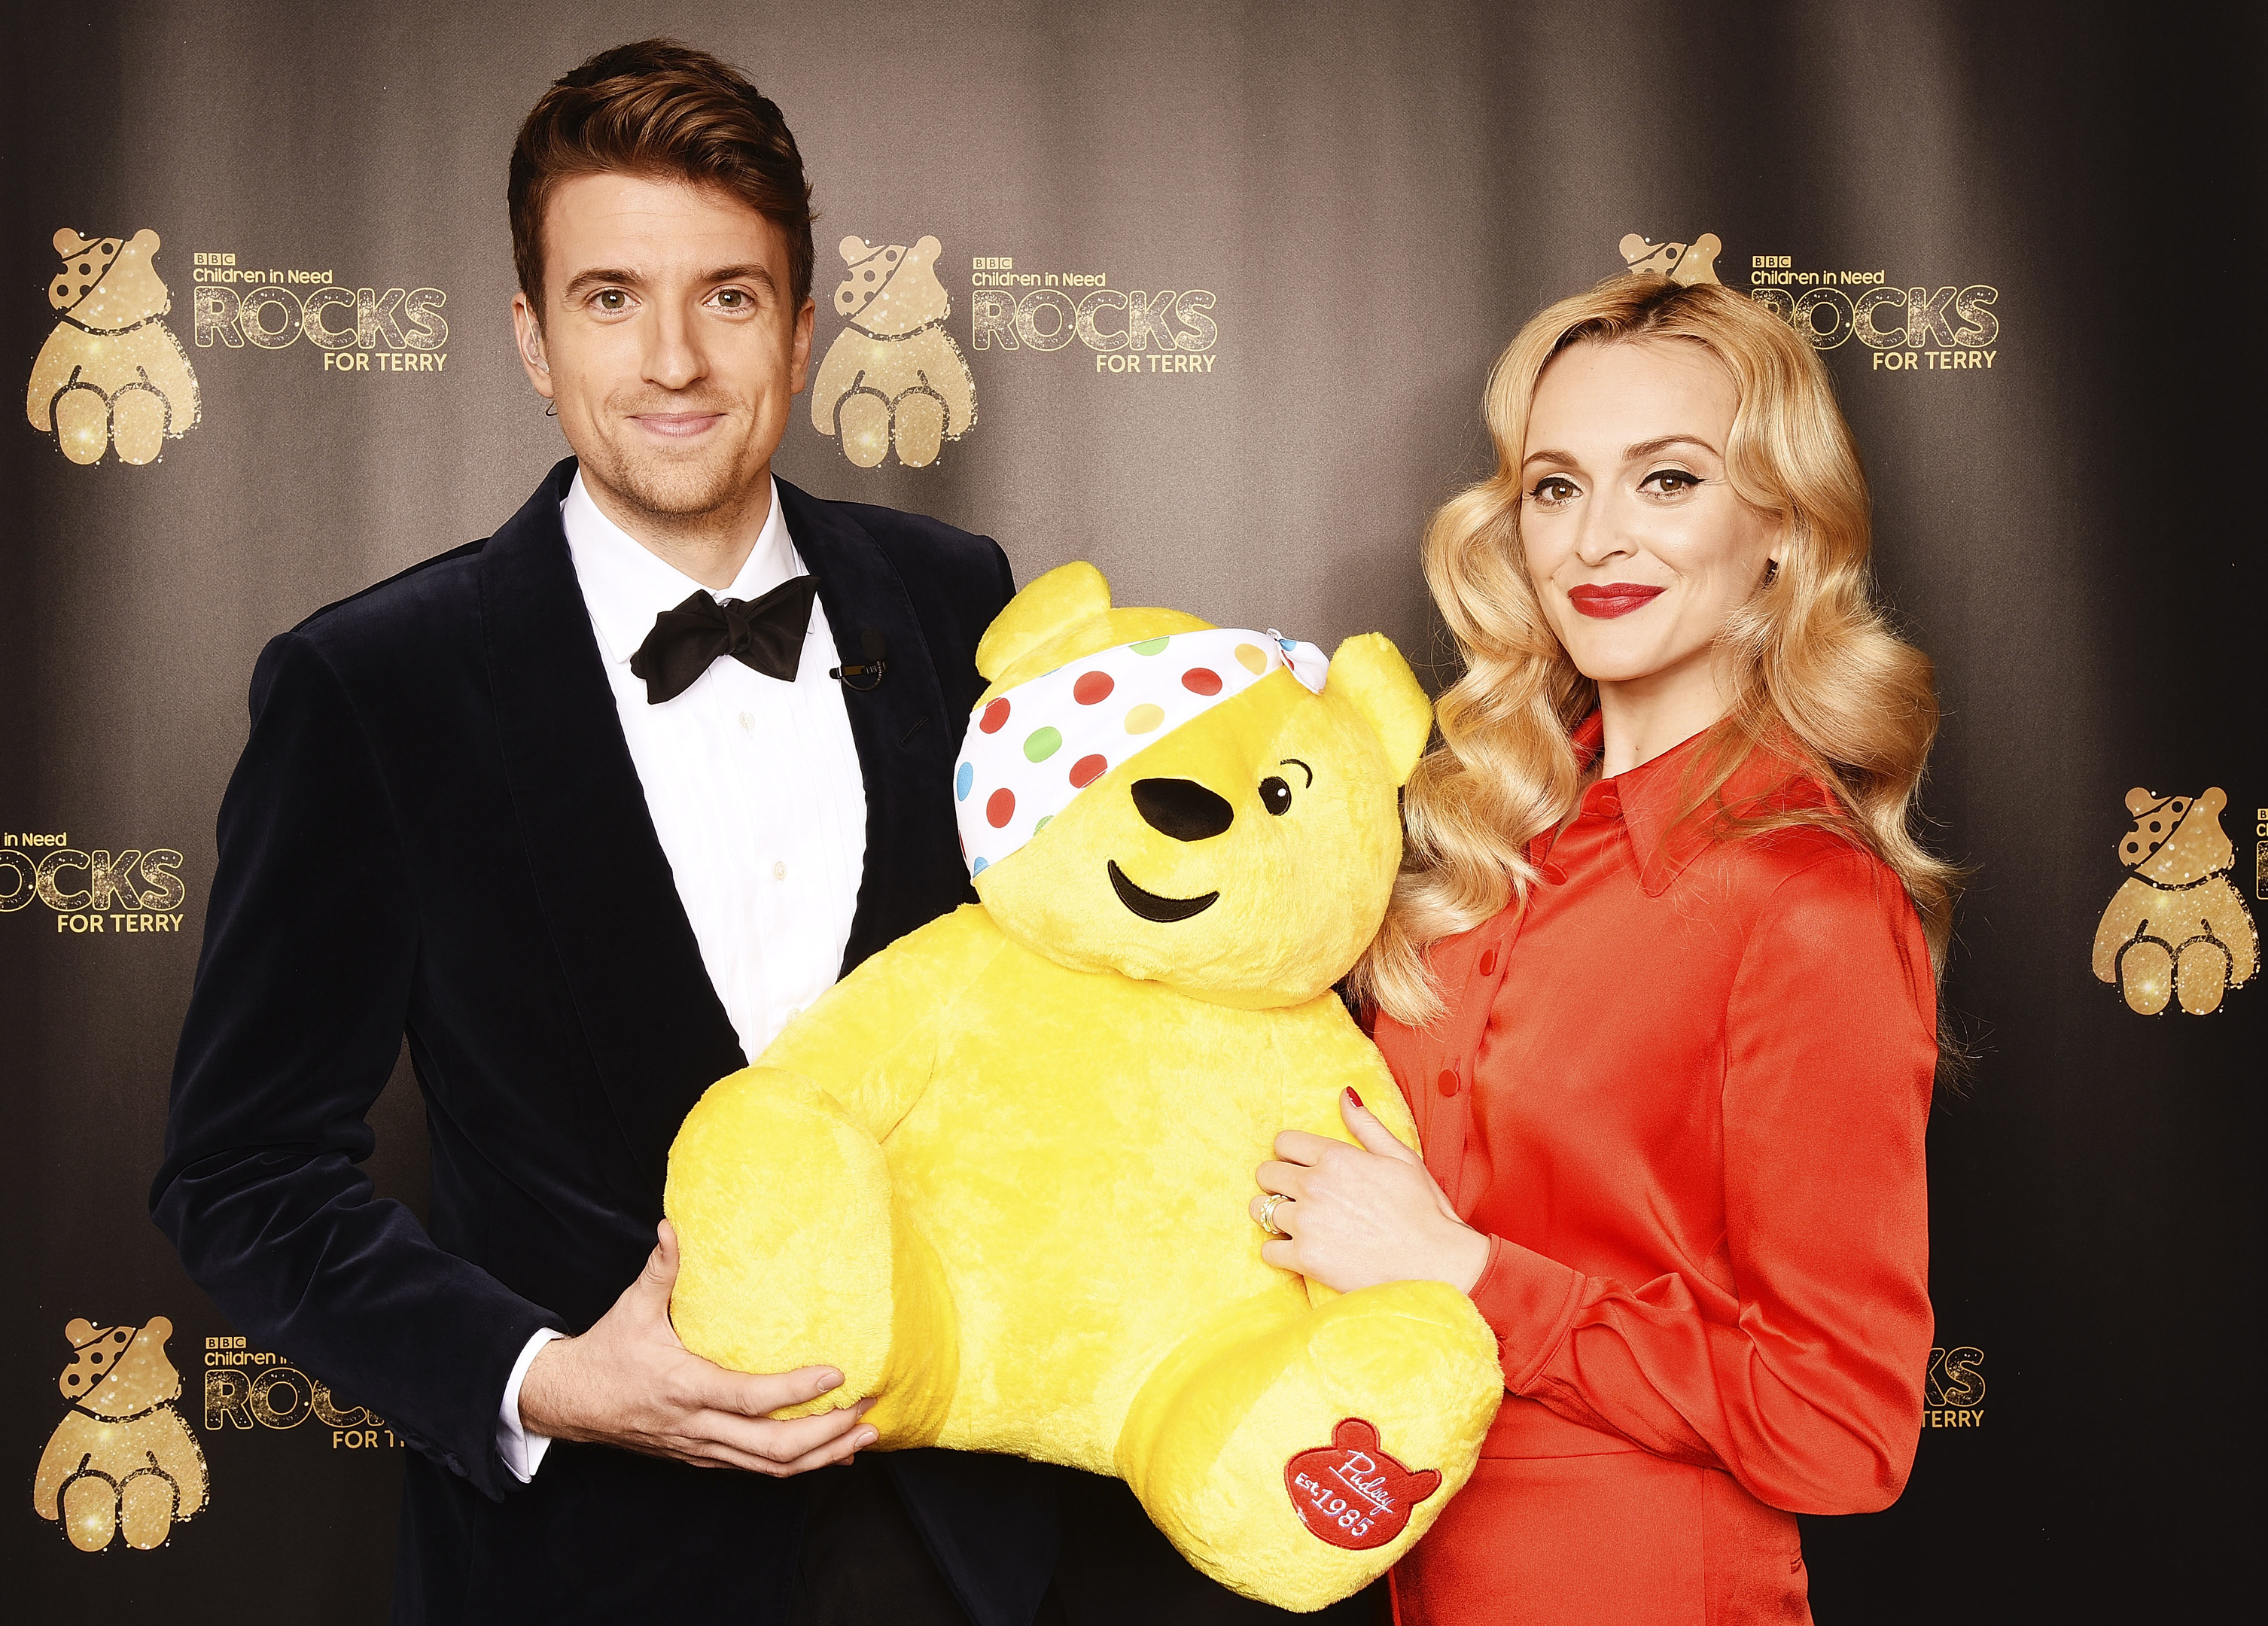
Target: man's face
[[667, 340]]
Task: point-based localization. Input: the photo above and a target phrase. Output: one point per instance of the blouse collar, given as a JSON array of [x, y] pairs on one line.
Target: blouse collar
[[1647, 797]]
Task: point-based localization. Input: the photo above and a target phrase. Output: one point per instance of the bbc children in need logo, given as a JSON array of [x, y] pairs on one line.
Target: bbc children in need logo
[[251, 308], [93, 892], [1947, 328], [1131, 331]]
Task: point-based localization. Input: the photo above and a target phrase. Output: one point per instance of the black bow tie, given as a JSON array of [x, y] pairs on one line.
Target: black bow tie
[[764, 635]]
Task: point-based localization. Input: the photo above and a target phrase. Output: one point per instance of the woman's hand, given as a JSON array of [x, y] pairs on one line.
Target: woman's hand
[[1357, 1216]]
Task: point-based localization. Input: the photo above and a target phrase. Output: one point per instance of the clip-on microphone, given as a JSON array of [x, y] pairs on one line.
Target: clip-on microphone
[[868, 673]]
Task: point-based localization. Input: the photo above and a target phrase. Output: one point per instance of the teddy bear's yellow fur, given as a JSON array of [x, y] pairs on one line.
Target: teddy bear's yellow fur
[[998, 1176]]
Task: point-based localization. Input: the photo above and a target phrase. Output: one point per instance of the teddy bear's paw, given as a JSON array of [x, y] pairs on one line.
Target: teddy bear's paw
[[2146, 975], [1296, 1465], [137, 425], [785, 1230], [90, 1509], [918, 428], [146, 1505], [863, 421], [83, 424], [2201, 974]]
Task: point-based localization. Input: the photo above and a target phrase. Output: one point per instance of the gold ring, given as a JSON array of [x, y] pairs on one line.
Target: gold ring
[[1268, 1215]]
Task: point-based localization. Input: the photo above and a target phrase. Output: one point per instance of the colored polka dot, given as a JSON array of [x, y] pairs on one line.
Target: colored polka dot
[[1043, 744], [1488, 963], [963, 781], [980, 866], [995, 715], [1447, 1082], [1085, 771], [1201, 680], [1001, 808], [1092, 686], [1252, 659], [1150, 646], [1045, 820], [1144, 717]]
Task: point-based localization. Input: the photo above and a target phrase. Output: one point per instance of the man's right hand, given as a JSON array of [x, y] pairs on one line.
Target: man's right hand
[[630, 1382]]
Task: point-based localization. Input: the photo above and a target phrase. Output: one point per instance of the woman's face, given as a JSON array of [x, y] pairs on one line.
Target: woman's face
[[1636, 545]]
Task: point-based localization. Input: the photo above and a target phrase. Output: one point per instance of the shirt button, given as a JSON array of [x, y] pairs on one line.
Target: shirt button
[[795, 1012], [779, 870], [748, 721], [1488, 963], [1447, 1082]]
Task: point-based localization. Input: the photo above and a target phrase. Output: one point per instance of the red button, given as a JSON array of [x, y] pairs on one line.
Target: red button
[[1488, 963], [1447, 1082]]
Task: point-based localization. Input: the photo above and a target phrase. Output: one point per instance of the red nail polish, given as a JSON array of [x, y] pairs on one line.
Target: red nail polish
[[1352, 1096]]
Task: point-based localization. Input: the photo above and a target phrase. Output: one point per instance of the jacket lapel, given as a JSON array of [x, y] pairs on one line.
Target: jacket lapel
[[906, 742], [657, 1032]]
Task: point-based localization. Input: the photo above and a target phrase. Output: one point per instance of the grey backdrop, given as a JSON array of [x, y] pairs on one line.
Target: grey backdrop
[[1376, 197]]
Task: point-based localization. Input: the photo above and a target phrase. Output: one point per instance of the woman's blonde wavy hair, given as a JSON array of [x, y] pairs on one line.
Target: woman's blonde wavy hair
[[1815, 670]]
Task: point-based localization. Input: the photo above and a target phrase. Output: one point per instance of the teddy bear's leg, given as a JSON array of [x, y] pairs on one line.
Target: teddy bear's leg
[[2146, 975], [1293, 1453], [863, 421], [137, 424], [147, 1499], [918, 428], [90, 1509], [794, 1252], [83, 423]]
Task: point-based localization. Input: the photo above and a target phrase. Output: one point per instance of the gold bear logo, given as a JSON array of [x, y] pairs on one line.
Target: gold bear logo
[[121, 1459], [111, 373], [894, 376], [1683, 263], [2176, 927]]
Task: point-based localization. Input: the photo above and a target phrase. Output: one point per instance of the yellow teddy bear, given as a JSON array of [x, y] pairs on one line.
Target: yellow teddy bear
[[997, 1176]]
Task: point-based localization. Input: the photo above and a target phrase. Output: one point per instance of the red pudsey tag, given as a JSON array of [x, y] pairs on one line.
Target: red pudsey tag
[[1350, 1493]]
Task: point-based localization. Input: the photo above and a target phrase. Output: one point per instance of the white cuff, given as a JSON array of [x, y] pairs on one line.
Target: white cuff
[[521, 1451]]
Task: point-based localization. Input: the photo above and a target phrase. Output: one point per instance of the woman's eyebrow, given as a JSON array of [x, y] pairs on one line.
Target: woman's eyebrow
[[1647, 448]]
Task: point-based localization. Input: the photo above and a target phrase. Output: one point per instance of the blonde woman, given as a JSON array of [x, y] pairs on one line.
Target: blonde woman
[[1659, 981]]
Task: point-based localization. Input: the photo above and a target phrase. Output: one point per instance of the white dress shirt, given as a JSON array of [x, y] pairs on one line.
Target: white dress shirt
[[756, 793]]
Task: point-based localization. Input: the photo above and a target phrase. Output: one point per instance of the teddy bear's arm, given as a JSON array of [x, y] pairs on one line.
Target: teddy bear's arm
[[1340, 1058], [76, 1438], [2224, 909], [168, 369], [873, 1041], [49, 373], [2128, 905], [838, 374]]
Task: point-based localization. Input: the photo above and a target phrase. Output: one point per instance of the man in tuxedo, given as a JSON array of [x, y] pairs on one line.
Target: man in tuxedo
[[612, 794]]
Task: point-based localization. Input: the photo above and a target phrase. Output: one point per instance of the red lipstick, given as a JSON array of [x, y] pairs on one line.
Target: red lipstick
[[1615, 598]]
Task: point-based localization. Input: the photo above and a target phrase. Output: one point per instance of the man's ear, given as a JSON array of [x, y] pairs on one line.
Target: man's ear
[[1368, 672], [528, 333], [1063, 598], [800, 349]]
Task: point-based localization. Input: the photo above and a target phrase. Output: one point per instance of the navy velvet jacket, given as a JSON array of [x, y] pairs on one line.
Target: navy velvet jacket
[[442, 752]]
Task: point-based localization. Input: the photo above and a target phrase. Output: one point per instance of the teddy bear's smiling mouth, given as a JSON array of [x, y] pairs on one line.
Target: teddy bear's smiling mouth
[[1150, 906]]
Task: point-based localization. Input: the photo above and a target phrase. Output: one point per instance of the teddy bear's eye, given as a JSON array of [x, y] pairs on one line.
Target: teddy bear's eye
[[1275, 795]]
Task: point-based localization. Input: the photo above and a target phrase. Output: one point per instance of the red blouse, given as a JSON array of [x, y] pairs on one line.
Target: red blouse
[[1683, 1089]]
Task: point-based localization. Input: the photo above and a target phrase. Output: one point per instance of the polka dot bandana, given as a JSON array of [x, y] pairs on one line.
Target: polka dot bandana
[[1031, 748]]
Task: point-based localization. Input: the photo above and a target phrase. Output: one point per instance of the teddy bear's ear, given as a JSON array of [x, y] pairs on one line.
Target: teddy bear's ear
[[67, 242], [1065, 596], [79, 1330], [1369, 672], [853, 249]]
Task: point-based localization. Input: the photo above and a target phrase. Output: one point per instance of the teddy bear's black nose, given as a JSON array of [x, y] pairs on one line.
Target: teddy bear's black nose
[[1182, 808]]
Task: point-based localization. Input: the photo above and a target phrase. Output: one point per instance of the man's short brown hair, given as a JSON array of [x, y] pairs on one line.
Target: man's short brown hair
[[659, 108]]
